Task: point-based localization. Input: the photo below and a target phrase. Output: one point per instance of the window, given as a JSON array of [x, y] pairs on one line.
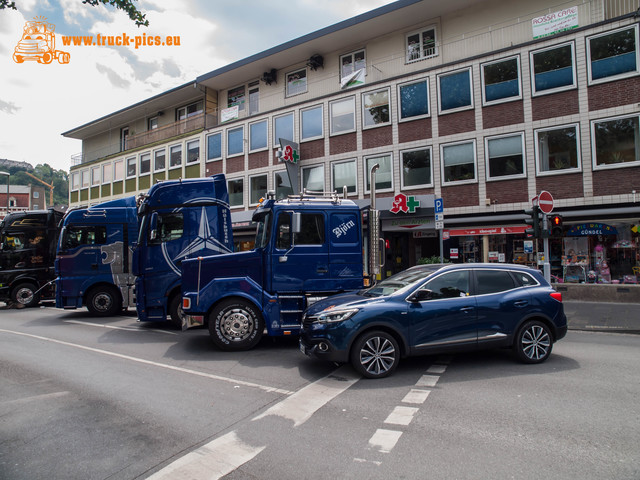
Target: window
[[552, 69], [235, 96], [190, 110], [449, 285], [235, 141], [152, 123], [214, 146], [311, 229], [74, 236], [524, 279], [375, 108], [344, 174], [613, 55], [124, 137], [159, 160], [313, 178], [557, 149], [283, 185], [505, 156], [145, 163], [421, 44], [170, 227], [493, 281], [283, 128], [254, 98], [296, 82], [616, 142], [454, 91], [118, 170], [193, 151], [36, 195], [458, 162], [75, 181], [107, 170], [311, 123], [384, 175], [236, 192], [85, 178], [176, 156], [414, 100], [283, 231], [258, 135], [416, 168], [131, 167], [343, 115], [95, 175], [352, 62], [501, 80], [257, 188]]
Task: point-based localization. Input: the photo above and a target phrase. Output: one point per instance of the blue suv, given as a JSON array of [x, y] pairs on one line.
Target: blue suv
[[433, 309]]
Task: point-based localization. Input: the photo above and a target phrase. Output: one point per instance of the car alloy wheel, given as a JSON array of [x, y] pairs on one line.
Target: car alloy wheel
[[375, 354], [534, 342]]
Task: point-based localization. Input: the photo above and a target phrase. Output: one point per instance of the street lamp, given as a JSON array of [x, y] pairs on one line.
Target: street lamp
[[8, 175]]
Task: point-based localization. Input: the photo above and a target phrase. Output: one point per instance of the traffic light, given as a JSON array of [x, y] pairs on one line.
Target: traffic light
[[534, 221], [555, 227]]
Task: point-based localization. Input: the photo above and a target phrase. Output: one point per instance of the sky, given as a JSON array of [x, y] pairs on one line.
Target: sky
[[39, 102]]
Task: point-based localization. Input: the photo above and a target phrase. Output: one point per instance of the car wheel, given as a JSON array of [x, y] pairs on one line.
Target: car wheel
[[24, 295], [533, 343], [104, 301], [175, 311], [235, 325], [375, 354]]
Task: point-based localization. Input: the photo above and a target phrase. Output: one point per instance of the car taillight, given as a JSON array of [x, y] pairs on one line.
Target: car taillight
[[556, 296]]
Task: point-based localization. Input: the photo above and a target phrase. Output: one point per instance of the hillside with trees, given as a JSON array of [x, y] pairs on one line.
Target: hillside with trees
[[49, 175]]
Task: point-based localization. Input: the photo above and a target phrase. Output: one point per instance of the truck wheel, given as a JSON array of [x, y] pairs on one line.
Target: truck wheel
[[175, 311], [235, 324], [18, 58], [24, 295], [104, 301], [46, 58]]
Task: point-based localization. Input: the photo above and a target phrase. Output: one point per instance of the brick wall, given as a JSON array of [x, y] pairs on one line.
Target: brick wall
[[508, 191], [213, 168], [377, 137], [459, 122], [461, 195], [235, 164], [415, 130], [562, 186], [258, 159], [616, 181], [555, 105], [509, 113], [343, 143], [614, 94], [312, 149]]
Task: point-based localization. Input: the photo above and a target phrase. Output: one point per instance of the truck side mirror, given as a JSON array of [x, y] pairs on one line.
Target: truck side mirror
[[153, 226], [296, 222]]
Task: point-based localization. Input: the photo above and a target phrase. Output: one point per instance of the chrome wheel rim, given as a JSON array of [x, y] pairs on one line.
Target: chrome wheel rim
[[535, 342], [237, 324], [24, 296], [377, 355]]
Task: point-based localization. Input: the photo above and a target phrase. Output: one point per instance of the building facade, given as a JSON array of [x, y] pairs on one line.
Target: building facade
[[477, 103], [21, 198]]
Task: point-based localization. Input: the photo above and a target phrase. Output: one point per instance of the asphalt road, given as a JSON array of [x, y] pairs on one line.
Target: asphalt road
[[85, 398]]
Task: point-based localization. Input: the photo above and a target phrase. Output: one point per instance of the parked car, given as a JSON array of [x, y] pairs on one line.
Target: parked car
[[432, 309]]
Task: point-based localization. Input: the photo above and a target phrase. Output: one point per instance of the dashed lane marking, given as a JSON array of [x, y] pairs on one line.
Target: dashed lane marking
[[401, 415], [234, 381], [427, 381], [384, 440], [416, 396]]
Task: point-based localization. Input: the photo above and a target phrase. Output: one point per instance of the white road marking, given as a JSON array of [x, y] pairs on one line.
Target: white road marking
[[305, 402], [384, 440], [211, 461], [437, 369], [155, 364], [427, 381], [363, 460], [129, 329], [46, 396], [416, 396], [401, 415]]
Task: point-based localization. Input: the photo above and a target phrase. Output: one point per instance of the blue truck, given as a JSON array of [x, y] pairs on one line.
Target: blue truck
[[179, 219], [27, 253], [93, 263], [127, 252], [307, 247]]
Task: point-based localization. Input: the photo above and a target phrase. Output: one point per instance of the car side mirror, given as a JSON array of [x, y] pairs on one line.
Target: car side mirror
[[421, 295]]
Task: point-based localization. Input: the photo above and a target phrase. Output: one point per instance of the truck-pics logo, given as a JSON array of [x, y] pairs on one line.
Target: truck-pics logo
[[38, 43]]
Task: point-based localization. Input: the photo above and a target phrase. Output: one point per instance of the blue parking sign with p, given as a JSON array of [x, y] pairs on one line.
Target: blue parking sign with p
[[438, 205]]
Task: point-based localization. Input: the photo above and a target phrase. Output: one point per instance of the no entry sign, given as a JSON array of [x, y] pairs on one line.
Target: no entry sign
[[545, 202]]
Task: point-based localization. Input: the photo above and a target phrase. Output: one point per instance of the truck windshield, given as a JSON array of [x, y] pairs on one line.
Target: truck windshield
[[263, 231]]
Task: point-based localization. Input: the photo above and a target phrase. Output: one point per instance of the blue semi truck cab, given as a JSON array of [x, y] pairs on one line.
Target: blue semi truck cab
[[178, 219], [306, 248], [94, 259]]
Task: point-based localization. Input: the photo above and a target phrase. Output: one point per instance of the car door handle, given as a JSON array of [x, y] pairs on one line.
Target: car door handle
[[466, 309], [521, 303]]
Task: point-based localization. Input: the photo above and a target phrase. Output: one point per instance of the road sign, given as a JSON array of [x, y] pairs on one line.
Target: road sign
[[439, 217], [439, 225], [438, 205], [545, 202]]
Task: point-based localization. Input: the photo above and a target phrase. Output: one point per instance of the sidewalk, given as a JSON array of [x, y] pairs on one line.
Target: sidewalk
[[603, 316]]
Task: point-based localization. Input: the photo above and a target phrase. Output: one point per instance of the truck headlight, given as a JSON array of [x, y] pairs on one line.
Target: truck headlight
[[336, 315]]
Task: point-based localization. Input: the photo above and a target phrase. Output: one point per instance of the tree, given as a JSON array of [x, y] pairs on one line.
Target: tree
[[59, 179], [126, 6]]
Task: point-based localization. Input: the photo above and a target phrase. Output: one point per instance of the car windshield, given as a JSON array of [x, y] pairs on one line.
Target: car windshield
[[400, 281]]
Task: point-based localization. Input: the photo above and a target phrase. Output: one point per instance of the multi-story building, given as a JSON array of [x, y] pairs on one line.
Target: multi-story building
[[21, 198], [480, 103]]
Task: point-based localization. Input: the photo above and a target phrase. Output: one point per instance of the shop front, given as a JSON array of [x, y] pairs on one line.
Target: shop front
[[500, 244]]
